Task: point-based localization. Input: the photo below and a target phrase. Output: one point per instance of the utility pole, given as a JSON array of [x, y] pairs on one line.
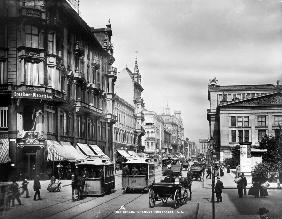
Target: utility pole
[[213, 174]]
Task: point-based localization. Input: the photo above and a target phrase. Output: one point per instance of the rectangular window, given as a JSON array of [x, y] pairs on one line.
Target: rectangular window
[[50, 121], [233, 121], [239, 121], [233, 135], [246, 135], [3, 117], [261, 134], [3, 73], [240, 133], [261, 121], [246, 121], [51, 43], [31, 36], [33, 74], [277, 120], [277, 133]]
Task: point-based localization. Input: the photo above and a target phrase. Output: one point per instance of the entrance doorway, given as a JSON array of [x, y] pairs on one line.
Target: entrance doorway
[[29, 165]]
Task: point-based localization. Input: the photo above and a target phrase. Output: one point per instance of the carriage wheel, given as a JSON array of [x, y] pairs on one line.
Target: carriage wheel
[[164, 200], [152, 199], [177, 199], [185, 197]]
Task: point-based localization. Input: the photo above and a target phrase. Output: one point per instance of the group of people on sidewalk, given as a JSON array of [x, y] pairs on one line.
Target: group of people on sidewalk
[[258, 189], [13, 192]]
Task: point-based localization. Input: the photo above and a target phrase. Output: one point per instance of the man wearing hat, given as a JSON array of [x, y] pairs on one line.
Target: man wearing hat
[[218, 190]]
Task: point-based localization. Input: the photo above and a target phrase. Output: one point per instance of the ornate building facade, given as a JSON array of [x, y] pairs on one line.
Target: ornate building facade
[[173, 123], [242, 113], [154, 133], [56, 82]]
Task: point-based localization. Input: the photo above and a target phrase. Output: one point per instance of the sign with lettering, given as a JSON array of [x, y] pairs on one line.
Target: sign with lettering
[[32, 95]]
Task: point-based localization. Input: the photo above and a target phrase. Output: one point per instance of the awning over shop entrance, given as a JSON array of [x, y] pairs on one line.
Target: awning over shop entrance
[[98, 151], [85, 149], [4, 151], [72, 153], [123, 153], [56, 151]]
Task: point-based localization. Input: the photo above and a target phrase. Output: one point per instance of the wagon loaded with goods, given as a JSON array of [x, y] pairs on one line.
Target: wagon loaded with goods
[[197, 171]]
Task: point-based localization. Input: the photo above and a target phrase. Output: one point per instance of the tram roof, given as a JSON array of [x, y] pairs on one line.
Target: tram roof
[[96, 161], [138, 160]]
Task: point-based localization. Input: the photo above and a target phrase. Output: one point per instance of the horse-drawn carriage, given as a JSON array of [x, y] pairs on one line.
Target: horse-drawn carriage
[[171, 187], [197, 171]]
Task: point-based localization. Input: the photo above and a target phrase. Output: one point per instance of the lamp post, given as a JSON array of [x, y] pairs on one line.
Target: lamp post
[[213, 174]]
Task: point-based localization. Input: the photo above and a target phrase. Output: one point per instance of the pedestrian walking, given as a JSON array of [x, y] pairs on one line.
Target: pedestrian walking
[[36, 188], [74, 183], [218, 190], [15, 193], [245, 183], [189, 183], [80, 186], [240, 186], [25, 188]]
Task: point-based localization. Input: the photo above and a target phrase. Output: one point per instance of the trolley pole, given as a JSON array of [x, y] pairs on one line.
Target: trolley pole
[[213, 176]]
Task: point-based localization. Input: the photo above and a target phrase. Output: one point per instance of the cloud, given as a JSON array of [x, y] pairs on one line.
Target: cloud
[[182, 44]]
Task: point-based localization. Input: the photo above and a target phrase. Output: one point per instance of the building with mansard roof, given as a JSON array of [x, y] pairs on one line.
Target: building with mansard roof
[[242, 113], [56, 86]]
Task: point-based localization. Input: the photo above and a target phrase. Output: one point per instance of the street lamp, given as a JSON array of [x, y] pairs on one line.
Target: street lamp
[[211, 149]]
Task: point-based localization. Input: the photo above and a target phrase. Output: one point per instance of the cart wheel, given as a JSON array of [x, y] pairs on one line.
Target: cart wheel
[[164, 200], [185, 197], [152, 200], [177, 199]]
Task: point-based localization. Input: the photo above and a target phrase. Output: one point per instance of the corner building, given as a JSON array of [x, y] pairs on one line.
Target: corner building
[[56, 84], [243, 113]]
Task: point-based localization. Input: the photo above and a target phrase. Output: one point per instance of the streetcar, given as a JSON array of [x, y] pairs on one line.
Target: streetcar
[[98, 174], [138, 174]]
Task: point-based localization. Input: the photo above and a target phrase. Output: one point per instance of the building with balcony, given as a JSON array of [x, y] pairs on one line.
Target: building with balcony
[[242, 113], [56, 83], [124, 135], [154, 133]]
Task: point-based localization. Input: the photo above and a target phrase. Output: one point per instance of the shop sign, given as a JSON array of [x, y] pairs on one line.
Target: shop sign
[[32, 95]]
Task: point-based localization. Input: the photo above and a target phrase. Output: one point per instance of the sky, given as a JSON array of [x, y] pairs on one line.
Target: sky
[[182, 44]]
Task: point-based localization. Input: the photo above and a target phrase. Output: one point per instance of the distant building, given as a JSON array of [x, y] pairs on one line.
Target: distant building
[[124, 135], [203, 146], [129, 88], [154, 132], [174, 125], [242, 113]]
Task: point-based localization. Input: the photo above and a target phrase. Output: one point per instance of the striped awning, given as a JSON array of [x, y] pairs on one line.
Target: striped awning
[[55, 151], [72, 153], [4, 151], [84, 148], [123, 153], [98, 151]]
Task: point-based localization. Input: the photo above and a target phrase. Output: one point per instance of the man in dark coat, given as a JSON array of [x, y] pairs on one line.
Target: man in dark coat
[[240, 186], [245, 183], [36, 188], [189, 183], [218, 190], [208, 173], [15, 193]]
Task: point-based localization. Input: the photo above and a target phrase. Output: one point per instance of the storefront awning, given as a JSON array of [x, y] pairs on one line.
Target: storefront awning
[[4, 151], [56, 151], [123, 153], [85, 149], [98, 151], [72, 153]]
